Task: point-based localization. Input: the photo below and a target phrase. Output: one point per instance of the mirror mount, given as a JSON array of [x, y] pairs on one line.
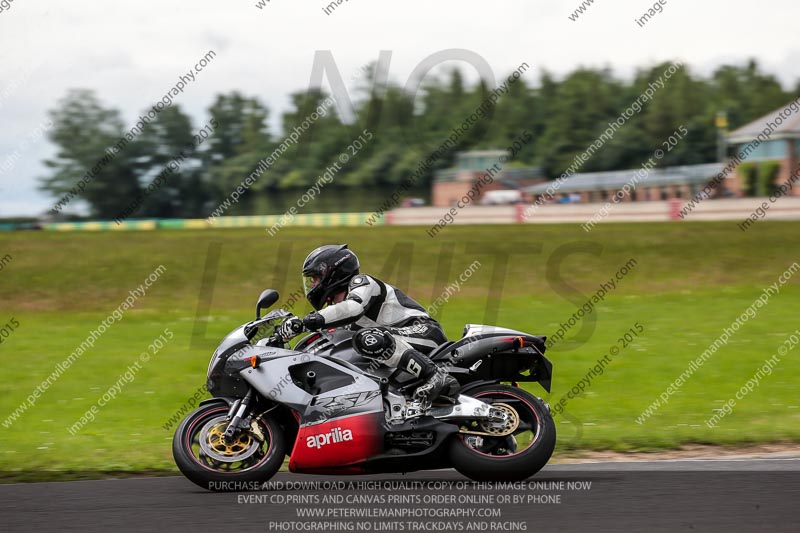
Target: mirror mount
[[266, 300]]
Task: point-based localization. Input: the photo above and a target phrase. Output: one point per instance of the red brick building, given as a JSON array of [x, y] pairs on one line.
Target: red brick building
[[450, 185], [769, 145]]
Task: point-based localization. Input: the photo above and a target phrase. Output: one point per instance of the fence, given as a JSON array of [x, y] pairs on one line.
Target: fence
[[660, 211]]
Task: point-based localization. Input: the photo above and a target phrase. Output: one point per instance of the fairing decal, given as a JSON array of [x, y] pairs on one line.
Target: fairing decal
[[337, 443]]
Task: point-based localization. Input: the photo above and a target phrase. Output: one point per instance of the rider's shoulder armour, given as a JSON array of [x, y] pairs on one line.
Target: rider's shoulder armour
[[359, 280]]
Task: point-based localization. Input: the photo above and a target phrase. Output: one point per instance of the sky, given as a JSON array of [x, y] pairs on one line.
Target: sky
[[132, 52]]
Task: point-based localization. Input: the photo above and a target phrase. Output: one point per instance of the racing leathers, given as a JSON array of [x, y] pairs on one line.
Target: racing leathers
[[391, 328]]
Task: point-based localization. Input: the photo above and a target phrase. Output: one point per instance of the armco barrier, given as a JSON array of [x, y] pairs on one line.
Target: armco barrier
[[261, 221], [787, 208], [101, 225]]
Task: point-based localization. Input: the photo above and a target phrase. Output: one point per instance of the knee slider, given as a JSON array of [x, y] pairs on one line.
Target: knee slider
[[374, 343]]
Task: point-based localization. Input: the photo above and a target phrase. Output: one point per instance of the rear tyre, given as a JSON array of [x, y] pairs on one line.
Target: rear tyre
[[214, 464], [512, 451]]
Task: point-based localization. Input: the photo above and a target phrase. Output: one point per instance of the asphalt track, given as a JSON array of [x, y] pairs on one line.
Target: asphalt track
[[692, 495]]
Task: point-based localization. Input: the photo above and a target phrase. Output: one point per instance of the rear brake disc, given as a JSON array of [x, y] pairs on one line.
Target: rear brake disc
[[498, 429]]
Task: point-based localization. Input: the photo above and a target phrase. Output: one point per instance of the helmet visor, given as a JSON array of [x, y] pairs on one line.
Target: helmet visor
[[310, 281]]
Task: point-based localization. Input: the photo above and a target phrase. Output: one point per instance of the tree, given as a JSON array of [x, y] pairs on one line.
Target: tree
[[581, 108], [240, 140], [242, 124], [745, 93], [94, 150], [682, 101], [170, 150]]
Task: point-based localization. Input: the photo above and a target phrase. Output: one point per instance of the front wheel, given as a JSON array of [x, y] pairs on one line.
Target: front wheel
[[208, 460], [509, 451]]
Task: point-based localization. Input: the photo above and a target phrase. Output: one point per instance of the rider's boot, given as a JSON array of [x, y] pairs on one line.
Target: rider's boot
[[438, 383]]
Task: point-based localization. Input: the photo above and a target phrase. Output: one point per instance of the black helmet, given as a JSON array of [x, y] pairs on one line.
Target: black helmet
[[327, 271]]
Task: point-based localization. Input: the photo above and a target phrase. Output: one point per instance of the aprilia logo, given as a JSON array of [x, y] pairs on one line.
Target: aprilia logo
[[333, 436]]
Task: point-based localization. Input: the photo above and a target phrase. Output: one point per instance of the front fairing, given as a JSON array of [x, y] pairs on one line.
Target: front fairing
[[243, 357], [218, 381], [232, 341], [242, 336]]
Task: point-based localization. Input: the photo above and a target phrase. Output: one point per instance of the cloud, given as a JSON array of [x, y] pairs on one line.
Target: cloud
[[130, 52]]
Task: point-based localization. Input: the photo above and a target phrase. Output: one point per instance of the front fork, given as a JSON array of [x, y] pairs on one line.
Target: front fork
[[238, 413]]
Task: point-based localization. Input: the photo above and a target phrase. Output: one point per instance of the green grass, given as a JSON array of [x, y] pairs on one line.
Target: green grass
[[691, 280]]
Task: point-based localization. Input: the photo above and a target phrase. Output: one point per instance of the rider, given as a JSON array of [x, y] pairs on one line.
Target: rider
[[391, 327]]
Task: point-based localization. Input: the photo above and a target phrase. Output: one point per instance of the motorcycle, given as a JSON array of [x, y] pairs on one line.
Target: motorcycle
[[332, 411]]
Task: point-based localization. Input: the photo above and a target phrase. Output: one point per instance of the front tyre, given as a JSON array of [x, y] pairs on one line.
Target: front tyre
[[203, 456], [509, 451]]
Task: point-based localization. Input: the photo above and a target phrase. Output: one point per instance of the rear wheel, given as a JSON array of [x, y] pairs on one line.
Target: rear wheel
[[207, 459], [511, 450]]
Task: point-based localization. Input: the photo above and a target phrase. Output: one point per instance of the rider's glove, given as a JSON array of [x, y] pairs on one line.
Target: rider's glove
[[290, 328]]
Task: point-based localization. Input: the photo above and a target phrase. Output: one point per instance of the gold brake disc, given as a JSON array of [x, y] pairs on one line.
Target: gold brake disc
[[498, 429], [217, 442], [212, 442]]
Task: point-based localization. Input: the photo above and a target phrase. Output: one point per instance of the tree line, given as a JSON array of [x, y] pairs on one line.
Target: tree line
[[563, 116]]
